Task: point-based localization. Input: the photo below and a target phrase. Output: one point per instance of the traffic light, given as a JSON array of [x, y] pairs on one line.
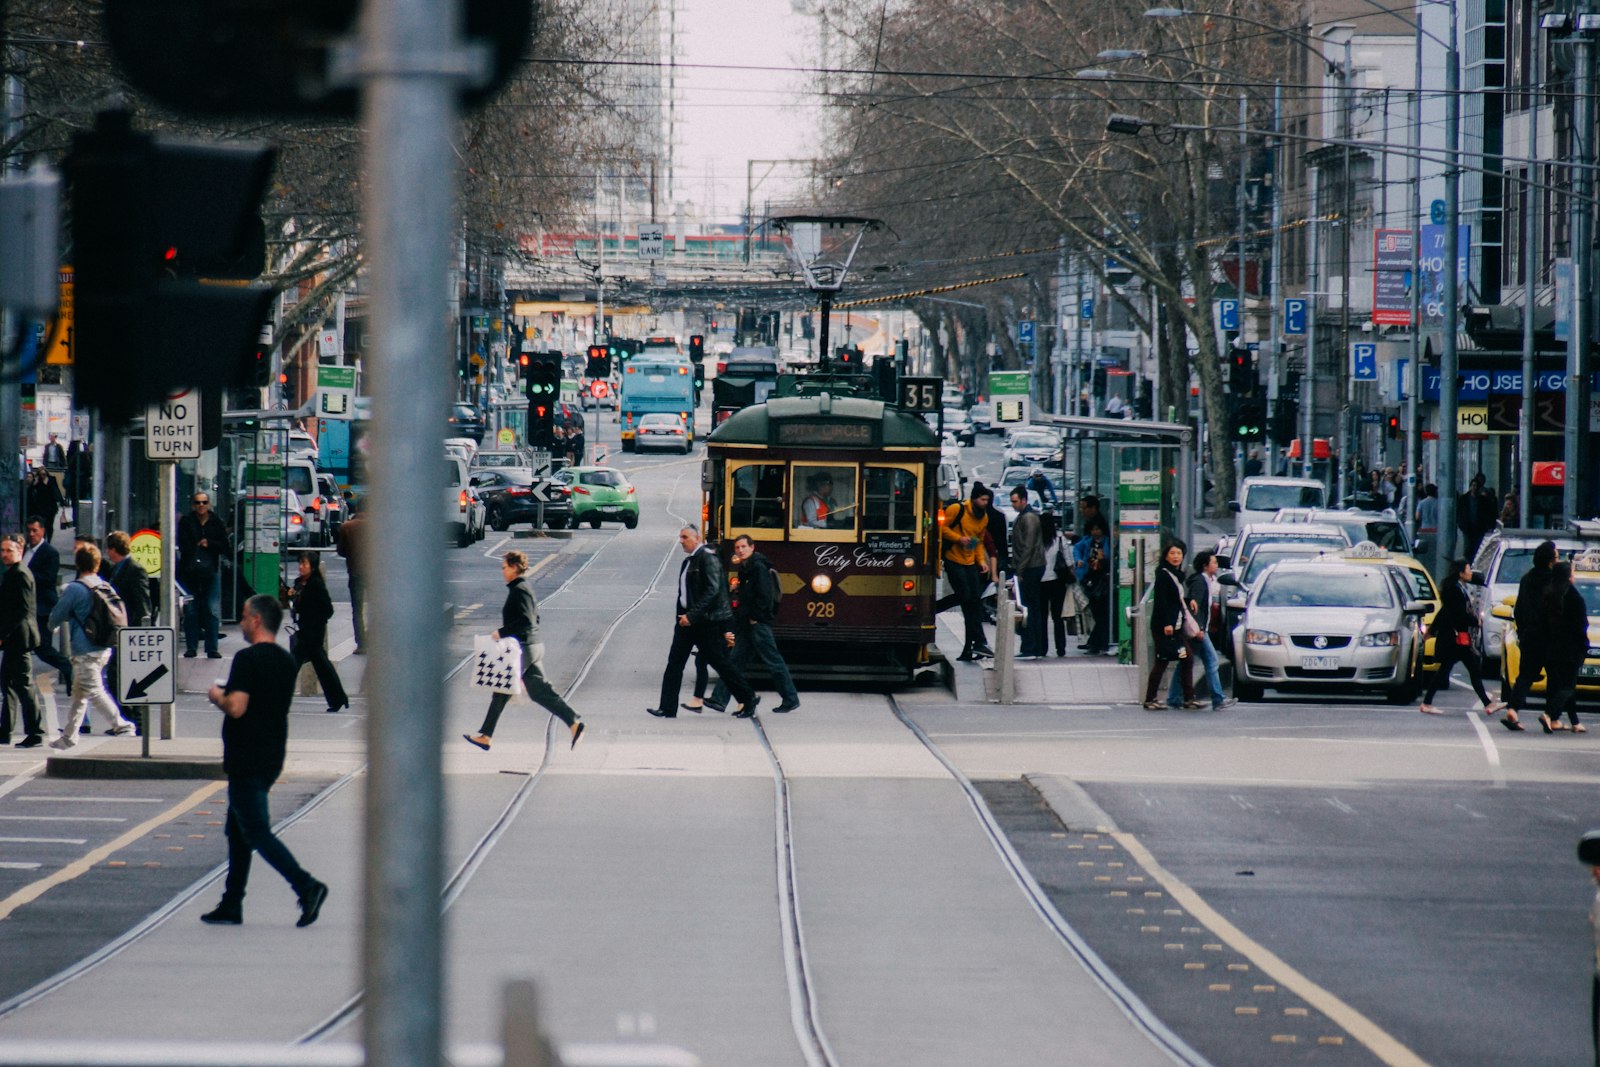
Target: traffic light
[[1394, 427], [1241, 370], [163, 233], [599, 362], [543, 389], [245, 57], [1250, 419], [523, 359], [1285, 419], [697, 347]]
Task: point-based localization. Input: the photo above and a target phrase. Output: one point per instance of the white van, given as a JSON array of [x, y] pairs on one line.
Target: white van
[[1260, 499]]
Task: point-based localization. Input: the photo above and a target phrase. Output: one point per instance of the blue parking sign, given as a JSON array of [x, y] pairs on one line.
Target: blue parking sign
[[1228, 314], [1086, 310], [1294, 316], [1364, 362], [1025, 332]]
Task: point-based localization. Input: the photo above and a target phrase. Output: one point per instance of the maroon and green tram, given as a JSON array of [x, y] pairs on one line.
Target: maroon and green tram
[[839, 493]]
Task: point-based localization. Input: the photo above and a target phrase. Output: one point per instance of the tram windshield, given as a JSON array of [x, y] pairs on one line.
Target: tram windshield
[[825, 497], [890, 502], [757, 499]]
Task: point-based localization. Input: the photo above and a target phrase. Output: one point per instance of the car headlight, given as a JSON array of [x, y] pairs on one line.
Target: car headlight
[[1261, 637], [1386, 639]]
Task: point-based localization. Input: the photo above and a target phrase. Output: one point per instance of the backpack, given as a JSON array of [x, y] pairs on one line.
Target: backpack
[[107, 614], [774, 587]]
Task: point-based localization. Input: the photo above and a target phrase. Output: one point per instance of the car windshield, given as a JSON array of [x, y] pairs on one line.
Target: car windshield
[[1033, 440], [1308, 588], [499, 459], [1314, 542], [1273, 497], [1514, 563], [611, 478], [1264, 557], [463, 411], [669, 421]]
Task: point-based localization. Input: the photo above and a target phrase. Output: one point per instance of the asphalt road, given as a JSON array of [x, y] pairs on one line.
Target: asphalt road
[[1332, 881]]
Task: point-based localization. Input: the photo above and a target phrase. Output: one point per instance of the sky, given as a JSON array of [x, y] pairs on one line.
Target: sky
[[729, 117]]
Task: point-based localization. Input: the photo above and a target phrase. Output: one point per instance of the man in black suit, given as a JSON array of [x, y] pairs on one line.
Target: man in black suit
[[19, 633], [41, 557], [705, 621], [132, 584]]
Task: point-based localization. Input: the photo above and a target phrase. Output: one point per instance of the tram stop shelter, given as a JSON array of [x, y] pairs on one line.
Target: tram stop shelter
[[1143, 475]]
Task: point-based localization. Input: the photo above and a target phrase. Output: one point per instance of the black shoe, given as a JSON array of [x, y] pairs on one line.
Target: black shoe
[[86, 728], [786, 707], [658, 713], [31, 742], [191, 654], [332, 708], [983, 650], [748, 710], [217, 655], [718, 708], [311, 904], [696, 708], [966, 657], [223, 915]]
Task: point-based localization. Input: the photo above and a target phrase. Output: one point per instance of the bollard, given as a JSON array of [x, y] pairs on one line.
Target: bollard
[[520, 1034], [1005, 643]]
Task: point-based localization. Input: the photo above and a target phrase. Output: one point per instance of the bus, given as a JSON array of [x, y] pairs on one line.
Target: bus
[[651, 384]]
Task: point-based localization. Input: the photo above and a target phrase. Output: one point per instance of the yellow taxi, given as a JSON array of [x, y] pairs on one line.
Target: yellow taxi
[[1407, 572], [1586, 580]]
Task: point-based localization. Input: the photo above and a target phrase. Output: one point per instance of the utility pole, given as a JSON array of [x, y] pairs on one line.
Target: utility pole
[[1275, 287], [11, 508], [1414, 479], [1530, 285], [1582, 226], [1450, 359], [1308, 380]]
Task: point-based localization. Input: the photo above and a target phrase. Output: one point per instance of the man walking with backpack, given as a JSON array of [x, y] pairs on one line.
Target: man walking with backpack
[[755, 603], [93, 612]]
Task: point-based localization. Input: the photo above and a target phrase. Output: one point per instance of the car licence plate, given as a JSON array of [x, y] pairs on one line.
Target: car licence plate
[[1587, 671], [610, 508], [1319, 663]]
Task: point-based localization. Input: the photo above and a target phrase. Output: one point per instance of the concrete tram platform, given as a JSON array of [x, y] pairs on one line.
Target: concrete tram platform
[[1070, 679]]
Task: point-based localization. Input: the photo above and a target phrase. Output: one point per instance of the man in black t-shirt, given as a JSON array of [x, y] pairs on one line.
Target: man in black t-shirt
[[256, 700]]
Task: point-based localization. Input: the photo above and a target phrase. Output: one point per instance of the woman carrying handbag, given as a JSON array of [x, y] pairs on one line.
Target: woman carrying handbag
[[1057, 577], [312, 608], [1452, 640], [1169, 622]]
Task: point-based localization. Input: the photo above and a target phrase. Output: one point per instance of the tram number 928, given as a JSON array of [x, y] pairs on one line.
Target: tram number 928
[[820, 609]]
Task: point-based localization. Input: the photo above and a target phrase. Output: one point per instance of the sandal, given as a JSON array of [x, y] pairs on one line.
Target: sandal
[[1153, 705], [1494, 707], [1511, 724], [1579, 728], [1549, 727]]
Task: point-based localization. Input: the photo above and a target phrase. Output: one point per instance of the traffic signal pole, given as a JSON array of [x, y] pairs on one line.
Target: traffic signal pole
[[411, 66]]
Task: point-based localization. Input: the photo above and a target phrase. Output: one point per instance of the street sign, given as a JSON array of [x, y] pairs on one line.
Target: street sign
[[1294, 316], [146, 665], [1436, 212], [1372, 418], [58, 349], [1025, 332], [506, 437], [1364, 362], [172, 428], [336, 392], [145, 548], [652, 240], [1228, 314], [1086, 310], [1009, 391]]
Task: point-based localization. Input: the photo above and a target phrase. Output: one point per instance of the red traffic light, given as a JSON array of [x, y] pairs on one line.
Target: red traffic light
[[523, 359]]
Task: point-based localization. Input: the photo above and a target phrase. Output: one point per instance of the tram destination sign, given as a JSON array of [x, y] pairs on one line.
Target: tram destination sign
[[825, 434], [896, 543]]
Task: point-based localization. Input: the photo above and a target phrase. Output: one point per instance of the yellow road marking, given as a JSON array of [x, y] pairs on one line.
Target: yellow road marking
[[34, 890], [1382, 1044]]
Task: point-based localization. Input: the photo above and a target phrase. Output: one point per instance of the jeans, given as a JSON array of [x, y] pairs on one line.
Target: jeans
[[1033, 634], [1201, 646], [89, 688], [540, 691], [249, 829], [755, 639], [966, 586], [200, 620]]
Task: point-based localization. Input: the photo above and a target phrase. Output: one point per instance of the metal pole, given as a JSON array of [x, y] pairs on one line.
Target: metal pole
[[1308, 380], [1450, 361], [11, 507], [1275, 302], [1414, 479], [1577, 411], [167, 489], [1530, 280], [1347, 411], [412, 64]]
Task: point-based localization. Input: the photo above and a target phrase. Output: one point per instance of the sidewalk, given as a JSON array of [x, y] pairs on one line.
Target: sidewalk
[[1071, 679]]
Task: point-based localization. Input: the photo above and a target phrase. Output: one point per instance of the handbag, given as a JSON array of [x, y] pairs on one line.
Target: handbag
[[1190, 627], [1019, 620], [1463, 639], [499, 664], [1170, 647]]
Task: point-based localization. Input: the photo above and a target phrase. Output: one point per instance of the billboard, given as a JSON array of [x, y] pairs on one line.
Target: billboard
[[1392, 253]]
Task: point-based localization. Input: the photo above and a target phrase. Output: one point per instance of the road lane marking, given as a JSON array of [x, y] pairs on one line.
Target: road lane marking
[[44, 840], [94, 800], [497, 546], [1380, 1042], [83, 864], [13, 866], [62, 818], [1497, 772], [1340, 805]]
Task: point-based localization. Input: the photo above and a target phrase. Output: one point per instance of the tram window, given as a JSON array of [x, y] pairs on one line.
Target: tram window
[[757, 497], [890, 502], [825, 498]]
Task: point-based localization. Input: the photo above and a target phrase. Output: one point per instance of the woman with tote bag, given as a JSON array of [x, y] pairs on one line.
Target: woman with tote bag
[[1170, 623]]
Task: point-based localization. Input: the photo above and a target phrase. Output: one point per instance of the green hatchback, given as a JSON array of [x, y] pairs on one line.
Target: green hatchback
[[601, 494]]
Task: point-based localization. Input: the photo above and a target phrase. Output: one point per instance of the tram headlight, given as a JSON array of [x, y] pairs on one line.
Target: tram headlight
[[910, 561], [821, 584], [909, 584]]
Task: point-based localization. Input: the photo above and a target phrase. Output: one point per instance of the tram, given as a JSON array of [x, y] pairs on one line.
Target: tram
[[838, 489]]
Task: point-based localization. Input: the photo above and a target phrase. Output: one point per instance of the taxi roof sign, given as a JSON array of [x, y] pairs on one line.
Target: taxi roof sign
[[1587, 560]]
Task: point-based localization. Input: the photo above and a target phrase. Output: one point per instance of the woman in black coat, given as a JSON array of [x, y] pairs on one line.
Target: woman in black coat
[[1569, 647], [1452, 640], [519, 619], [313, 607], [1166, 623]]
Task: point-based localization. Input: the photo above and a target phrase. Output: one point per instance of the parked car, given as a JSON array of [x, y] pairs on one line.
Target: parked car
[[957, 422], [295, 532], [661, 430], [1382, 528], [509, 498], [464, 513], [500, 457], [1249, 538], [329, 503], [466, 421], [302, 444], [601, 494]]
